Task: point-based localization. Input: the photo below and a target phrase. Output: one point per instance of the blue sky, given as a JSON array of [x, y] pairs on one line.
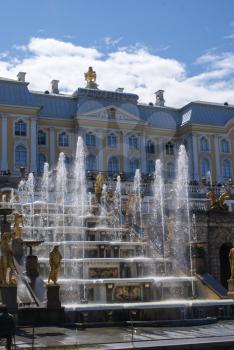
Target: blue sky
[[192, 38]]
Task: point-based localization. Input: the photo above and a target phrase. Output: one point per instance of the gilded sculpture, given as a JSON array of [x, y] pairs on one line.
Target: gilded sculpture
[[98, 186], [7, 266], [170, 227], [218, 202], [55, 264], [17, 231], [91, 77], [231, 262]]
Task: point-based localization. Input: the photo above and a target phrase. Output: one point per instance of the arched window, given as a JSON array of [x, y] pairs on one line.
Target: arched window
[[111, 140], [227, 168], [20, 128], [133, 142], [113, 165], [41, 162], [150, 166], [205, 167], [90, 139], [133, 165], [170, 170], [225, 146], [41, 138], [20, 156], [150, 147], [91, 163], [63, 139], [204, 146], [169, 149]]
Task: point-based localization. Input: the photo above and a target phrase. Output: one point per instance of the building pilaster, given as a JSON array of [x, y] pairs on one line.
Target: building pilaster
[[217, 160], [4, 163], [143, 154], [100, 150], [33, 163], [52, 148], [195, 159]]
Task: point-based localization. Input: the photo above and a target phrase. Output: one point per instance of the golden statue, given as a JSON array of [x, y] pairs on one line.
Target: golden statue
[[231, 262], [55, 263], [98, 186], [90, 75], [130, 206], [7, 266], [218, 202], [17, 231], [170, 227]]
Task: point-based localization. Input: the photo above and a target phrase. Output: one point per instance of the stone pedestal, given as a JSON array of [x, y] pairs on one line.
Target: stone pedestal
[[53, 300], [231, 288], [9, 297], [32, 266]]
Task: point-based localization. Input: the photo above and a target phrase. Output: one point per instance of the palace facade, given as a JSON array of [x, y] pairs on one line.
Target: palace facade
[[120, 133]]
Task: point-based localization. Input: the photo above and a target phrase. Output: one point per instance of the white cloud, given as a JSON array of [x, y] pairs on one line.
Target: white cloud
[[231, 36], [135, 69], [112, 42]]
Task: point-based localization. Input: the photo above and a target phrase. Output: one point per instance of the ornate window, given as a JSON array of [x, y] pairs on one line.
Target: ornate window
[[91, 163], [20, 156], [150, 147], [205, 167], [204, 146], [90, 139], [113, 165], [150, 166], [41, 162], [133, 142], [20, 128], [225, 146], [112, 140], [133, 165], [170, 170], [63, 139], [227, 168], [41, 138], [169, 148]]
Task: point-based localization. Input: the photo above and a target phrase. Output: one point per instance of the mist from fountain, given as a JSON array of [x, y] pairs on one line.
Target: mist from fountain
[[138, 201], [159, 194], [183, 241]]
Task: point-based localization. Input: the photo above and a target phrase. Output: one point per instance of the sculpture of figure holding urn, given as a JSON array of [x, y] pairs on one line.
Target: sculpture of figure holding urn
[[55, 263], [6, 261]]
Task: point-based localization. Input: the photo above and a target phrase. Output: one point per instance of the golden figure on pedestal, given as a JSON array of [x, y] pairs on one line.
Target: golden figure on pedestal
[[55, 264], [98, 186], [7, 266], [90, 75], [17, 231]]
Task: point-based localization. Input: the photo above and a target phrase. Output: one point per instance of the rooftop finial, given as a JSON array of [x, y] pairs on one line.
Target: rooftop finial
[[90, 77]]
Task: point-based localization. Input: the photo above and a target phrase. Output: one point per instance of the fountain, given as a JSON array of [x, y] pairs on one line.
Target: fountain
[[108, 261]]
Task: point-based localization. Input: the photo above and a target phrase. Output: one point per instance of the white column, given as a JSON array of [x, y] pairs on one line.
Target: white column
[[195, 160], [143, 154], [217, 159], [4, 163], [100, 151], [33, 164], [52, 148], [125, 152]]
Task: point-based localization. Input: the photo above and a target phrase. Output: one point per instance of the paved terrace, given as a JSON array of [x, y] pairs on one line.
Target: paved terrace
[[214, 336]]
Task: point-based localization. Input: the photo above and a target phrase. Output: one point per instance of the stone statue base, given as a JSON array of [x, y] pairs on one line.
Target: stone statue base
[[9, 297], [53, 300], [231, 288], [32, 266], [91, 85]]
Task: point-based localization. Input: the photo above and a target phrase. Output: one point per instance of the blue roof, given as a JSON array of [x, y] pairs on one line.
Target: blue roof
[[207, 113], [82, 101]]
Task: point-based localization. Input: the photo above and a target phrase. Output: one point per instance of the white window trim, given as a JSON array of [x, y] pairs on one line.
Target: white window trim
[[20, 143], [26, 121]]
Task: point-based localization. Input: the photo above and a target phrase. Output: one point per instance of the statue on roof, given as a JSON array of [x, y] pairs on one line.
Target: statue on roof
[[91, 77]]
